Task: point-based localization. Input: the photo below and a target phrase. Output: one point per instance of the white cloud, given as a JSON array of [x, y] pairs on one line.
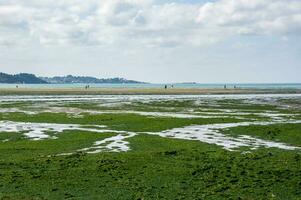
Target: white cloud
[[143, 22], [268, 17]]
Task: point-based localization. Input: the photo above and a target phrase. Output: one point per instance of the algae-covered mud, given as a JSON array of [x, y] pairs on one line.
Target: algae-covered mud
[[150, 146]]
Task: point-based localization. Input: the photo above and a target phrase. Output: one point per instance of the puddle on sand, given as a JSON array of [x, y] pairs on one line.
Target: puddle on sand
[[39, 131], [211, 133], [113, 144], [55, 104], [77, 113]]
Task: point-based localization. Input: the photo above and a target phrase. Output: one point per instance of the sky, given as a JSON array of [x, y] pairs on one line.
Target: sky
[[159, 41]]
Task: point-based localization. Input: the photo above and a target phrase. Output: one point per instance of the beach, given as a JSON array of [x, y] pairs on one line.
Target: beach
[[94, 145], [139, 91]]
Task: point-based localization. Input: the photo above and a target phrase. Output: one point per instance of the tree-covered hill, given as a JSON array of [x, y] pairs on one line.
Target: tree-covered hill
[[85, 79], [20, 78], [33, 79]]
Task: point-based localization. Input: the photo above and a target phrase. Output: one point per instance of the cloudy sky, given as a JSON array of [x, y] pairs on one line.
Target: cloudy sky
[[154, 40]]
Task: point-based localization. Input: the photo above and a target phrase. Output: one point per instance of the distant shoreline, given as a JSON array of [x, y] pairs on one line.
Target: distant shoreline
[[139, 91], [158, 85]]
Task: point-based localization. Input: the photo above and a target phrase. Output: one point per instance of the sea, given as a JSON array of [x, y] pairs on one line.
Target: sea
[[161, 85]]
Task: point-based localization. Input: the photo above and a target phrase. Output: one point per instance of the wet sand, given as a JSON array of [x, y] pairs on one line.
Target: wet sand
[[139, 91]]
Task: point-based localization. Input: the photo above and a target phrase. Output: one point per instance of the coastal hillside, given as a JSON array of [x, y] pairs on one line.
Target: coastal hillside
[[85, 79], [33, 79], [20, 78]]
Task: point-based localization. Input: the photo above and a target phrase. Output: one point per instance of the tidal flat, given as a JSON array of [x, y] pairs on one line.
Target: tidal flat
[[240, 146]]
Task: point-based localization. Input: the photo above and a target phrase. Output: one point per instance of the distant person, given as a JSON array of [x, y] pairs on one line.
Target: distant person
[[165, 87], [17, 86], [225, 86]]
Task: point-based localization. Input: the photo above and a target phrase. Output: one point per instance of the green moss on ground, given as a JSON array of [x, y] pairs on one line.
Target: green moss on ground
[[287, 133], [126, 122], [157, 168]]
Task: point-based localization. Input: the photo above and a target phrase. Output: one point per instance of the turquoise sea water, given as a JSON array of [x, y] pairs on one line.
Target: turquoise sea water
[[151, 85]]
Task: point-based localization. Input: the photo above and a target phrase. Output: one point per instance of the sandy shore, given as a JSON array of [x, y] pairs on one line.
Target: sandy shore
[[139, 91]]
